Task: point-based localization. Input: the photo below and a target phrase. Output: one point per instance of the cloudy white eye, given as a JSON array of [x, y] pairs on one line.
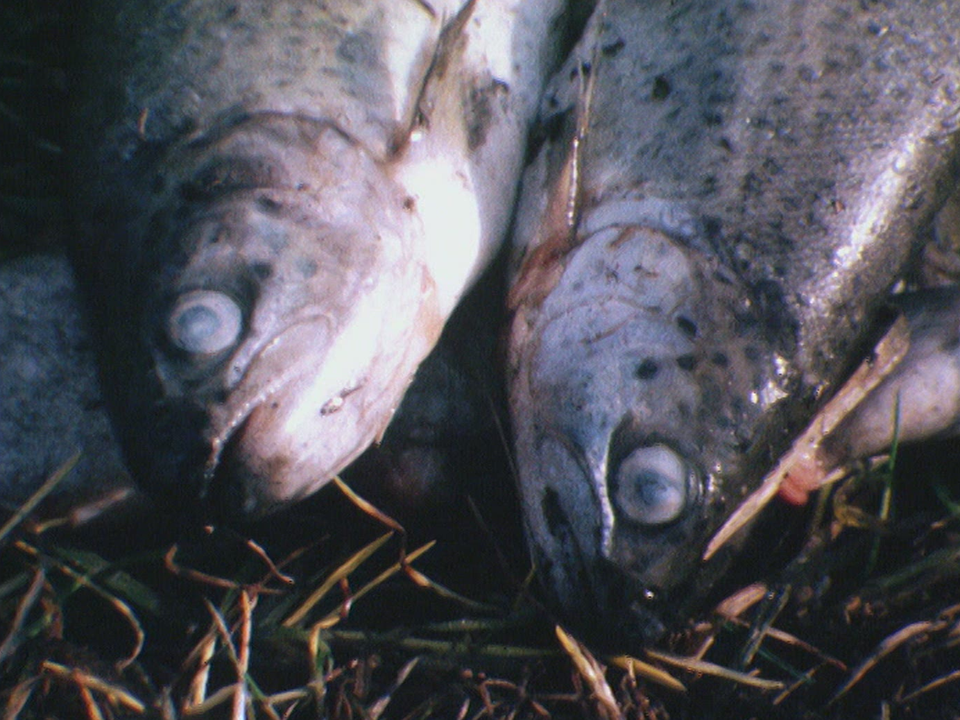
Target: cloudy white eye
[[652, 485], [204, 322]]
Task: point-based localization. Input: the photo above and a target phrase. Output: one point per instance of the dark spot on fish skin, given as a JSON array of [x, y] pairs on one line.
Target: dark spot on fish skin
[[714, 118], [711, 227], [647, 369], [358, 48], [409, 203], [483, 111], [557, 520], [613, 49], [333, 405], [807, 73], [772, 166], [950, 344], [687, 362], [262, 270], [724, 144], [720, 359], [751, 184], [661, 88], [688, 326], [552, 127], [583, 69], [268, 205], [307, 267]]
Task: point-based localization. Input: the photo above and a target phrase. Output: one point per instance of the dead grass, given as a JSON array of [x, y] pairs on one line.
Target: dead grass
[[862, 620]]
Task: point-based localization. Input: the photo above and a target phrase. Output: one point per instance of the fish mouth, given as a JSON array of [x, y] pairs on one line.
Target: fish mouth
[[246, 472], [313, 399]]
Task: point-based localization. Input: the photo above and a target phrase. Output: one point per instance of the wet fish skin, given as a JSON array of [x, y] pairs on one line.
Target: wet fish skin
[[50, 402], [278, 205], [52, 408], [920, 399], [726, 193]]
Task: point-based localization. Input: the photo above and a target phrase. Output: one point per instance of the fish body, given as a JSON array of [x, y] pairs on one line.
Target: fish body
[[278, 204], [725, 193], [51, 408]]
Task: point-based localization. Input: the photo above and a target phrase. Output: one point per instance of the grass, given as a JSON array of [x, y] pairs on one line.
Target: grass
[[374, 622]]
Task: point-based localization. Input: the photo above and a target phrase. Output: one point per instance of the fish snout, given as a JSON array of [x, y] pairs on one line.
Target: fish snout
[[633, 384], [291, 330], [613, 526]]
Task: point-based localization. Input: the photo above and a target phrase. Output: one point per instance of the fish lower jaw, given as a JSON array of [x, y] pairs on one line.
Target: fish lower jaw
[[288, 443]]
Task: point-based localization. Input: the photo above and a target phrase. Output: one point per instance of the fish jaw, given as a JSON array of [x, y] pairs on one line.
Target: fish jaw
[[630, 375], [290, 240], [320, 417]]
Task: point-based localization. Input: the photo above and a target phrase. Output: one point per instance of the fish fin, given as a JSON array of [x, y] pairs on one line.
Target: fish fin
[[541, 269], [449, 47], [802, 468]]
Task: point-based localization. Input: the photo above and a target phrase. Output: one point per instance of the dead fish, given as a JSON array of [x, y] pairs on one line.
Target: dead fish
[[278, 204], [54, 421], [52, 414], [725, 193]]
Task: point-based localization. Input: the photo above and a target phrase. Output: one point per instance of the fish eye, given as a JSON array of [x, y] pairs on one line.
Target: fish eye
[[204, 322], [652, 485]]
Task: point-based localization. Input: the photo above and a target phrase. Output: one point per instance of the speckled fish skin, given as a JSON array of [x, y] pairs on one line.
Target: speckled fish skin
[[726, 192], [278, 205]]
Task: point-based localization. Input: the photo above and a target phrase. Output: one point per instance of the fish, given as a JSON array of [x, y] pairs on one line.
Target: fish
[[276, 206], [723, 197], [54, 424], [53, 421]]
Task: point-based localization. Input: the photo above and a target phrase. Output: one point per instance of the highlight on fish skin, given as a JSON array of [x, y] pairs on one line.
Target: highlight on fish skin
[[277, 207], [724, 197]]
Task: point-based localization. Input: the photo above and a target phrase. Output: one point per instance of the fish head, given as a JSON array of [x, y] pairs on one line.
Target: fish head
[[280, 285], [636, 383]]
